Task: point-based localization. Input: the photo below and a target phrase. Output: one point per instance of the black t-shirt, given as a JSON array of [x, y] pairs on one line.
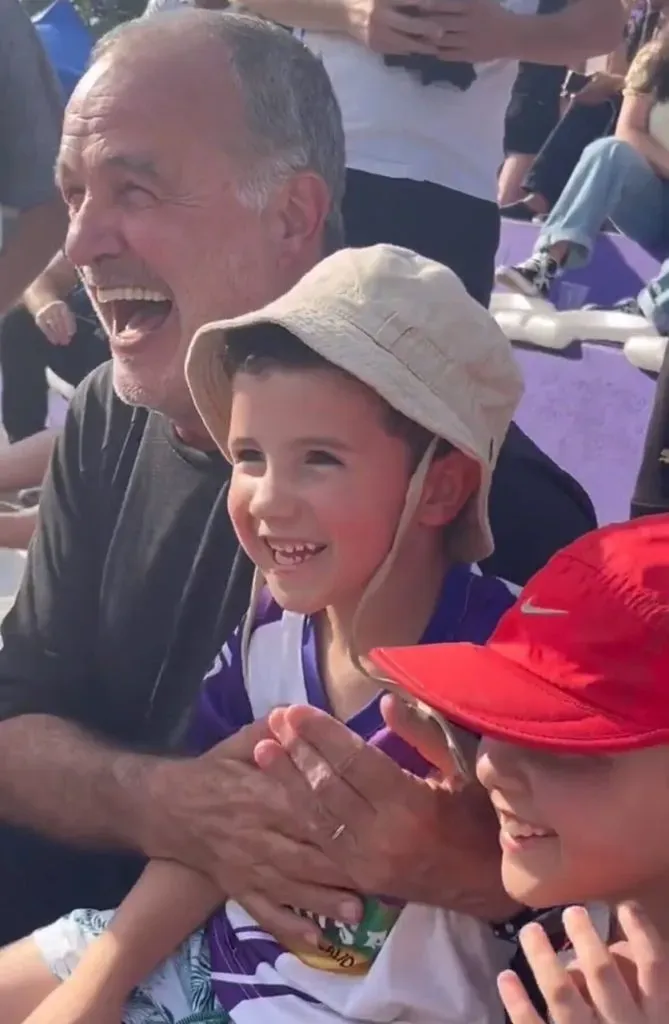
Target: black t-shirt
[[134, 581], [122, 608]]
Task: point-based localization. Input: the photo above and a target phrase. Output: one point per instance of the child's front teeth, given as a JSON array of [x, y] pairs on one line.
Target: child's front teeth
[[293, 554]]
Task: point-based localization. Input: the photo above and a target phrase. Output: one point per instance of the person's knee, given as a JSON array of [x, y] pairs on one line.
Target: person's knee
[[25, 981], [611, 150]]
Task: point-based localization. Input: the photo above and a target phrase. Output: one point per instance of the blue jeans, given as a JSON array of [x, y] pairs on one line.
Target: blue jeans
[[611, 180], [654, 300]]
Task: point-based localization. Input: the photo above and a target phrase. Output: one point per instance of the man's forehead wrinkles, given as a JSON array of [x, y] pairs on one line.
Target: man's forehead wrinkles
[[101, 153]]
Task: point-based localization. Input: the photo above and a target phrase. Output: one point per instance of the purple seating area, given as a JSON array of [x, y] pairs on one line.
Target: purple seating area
[[587, 406]]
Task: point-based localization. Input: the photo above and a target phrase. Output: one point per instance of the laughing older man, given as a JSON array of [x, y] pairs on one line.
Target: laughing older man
[[202, 164]]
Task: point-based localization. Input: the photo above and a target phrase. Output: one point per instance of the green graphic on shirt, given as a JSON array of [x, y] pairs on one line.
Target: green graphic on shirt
[[352, 948]]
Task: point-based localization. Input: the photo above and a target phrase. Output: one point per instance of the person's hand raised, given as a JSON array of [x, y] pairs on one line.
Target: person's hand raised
[[474, 31], [393, 27], [601, 87], [57, 322], [627, 983]]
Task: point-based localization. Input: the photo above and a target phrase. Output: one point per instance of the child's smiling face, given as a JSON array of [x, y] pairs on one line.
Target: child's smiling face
[[317, 486], [576, 828], [319, 483]]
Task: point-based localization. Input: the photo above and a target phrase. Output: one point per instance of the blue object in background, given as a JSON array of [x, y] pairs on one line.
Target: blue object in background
[[67, 41]]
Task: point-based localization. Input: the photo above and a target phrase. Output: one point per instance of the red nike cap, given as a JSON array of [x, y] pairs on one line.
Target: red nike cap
[[579, 664]]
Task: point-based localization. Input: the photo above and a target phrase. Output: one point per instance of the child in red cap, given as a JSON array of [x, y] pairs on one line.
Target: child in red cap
[[571, 695]]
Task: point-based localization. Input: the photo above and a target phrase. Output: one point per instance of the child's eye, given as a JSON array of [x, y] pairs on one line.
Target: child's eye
[[247, 455], [322, 458]]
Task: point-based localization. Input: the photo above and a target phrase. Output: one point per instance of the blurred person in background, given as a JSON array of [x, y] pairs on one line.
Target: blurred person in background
[[531, 116], [623, 178], [593, 106], [423, 87], [54, 326], [32, 217]]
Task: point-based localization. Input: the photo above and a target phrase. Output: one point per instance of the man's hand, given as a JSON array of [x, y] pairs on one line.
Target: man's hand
[[220, 814], [397, 835], [391, 27], [57, 322]]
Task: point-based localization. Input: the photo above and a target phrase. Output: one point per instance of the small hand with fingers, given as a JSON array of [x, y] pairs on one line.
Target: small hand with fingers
[[57, 322], [626, 983]]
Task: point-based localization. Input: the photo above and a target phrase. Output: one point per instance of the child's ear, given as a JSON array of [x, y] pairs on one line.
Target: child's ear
[[450, 482]]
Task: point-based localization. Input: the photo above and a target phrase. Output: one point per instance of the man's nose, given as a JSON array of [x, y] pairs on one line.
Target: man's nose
[[94, 233]]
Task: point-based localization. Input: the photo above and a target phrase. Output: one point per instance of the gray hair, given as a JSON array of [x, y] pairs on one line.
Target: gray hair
[[292, 114]]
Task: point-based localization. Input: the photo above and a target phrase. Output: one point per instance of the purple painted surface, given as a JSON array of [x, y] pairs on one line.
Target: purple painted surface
[[588, 408]]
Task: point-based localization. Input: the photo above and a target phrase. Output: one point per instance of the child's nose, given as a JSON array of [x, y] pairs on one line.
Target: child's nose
[[271, 498], [495, 764]]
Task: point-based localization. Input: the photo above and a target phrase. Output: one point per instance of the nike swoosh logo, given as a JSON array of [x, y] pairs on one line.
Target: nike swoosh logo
[[529, 608]]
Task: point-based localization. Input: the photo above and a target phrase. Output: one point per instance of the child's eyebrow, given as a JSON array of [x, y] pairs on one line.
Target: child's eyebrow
[[323, 442]]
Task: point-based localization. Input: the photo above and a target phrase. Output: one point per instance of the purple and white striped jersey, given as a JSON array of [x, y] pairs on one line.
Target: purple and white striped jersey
[[411, 964]]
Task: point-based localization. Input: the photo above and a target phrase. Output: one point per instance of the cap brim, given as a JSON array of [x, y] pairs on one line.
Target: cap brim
[[480, 689]]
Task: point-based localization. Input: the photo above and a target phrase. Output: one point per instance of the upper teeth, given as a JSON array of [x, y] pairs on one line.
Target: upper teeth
[[294, 549], [113, 294], [522, 829]]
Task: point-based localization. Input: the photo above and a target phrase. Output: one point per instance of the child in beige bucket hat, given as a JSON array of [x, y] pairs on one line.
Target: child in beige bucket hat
[[362, 413]]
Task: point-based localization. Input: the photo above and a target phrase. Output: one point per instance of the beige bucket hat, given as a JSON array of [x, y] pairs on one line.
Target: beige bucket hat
[[405, 326]]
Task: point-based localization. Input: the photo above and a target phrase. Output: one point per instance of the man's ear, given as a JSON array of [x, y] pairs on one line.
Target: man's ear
[[450, 482], [302, 206]]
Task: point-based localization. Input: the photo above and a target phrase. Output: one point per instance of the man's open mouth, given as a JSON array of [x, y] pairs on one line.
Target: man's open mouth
[[133, 310]]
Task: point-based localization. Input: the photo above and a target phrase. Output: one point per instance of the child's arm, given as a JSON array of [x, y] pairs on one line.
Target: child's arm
[[168, 903]]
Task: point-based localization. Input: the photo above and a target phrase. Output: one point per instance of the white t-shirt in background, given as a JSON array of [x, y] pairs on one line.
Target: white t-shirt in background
[[397, 127]]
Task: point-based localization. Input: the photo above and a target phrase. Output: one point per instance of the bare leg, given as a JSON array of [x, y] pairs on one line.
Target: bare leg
[[24, 463], [511, 177], [558, 251], [537, 203], [17, 528], [25, 981]]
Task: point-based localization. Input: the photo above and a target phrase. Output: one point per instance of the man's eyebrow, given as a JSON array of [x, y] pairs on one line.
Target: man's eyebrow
[[143, 166]]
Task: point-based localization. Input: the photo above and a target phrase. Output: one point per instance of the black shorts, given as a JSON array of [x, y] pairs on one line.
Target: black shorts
[[534, 108], [453, 228]]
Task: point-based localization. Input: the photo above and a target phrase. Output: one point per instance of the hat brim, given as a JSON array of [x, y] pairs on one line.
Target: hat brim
[[487, 693], [338, 341]]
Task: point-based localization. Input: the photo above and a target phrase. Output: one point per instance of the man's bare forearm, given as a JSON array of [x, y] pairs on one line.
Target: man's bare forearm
[[585, 28], [31, 241], [57, 779]]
